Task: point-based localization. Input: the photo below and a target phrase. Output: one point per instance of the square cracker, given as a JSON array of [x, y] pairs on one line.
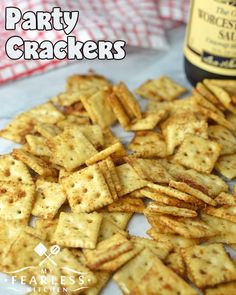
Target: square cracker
[[165, 199], [9, 230], [223, 96], [203, 90], [177, 241], [232, 119], [198, 153], [14, 170], [87, 190], [117, 262], [188, 227], [75, 110], [87, 81], [71, 120], [148, 144], [46, 113], [155, 208], [221, 120], [227, 288], [225, 212], [151, 277], [149, 120], [107, 250], [121, 219], [176, 263], [102, 279], [127, 100], [171, 192], [129, 179], [160, 249], [125, 277], [105, 153], [162, 280], [180, 125], [224, 137], [119, 111], [93, 133], [150, 170], [108, 178], [24, 244], [127, 204], [209, 184], [69, 98], [114, 175], [71, 148], [37, 145], [78, 230], [157, 227], [184, 187], [203, 102], [68, 262], [225, 199], [160, 89], [226, 165], [47, 130], [109, 228], [209, 265], [49, 198], [16, 200], [48, 227], [35, 163], [224, 226], [99, 110], [17, 129]]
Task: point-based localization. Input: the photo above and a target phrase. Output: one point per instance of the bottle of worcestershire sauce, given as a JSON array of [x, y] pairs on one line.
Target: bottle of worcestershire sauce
[[210, 41]]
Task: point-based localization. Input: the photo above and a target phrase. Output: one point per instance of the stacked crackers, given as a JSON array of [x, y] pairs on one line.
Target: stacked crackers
[[83, 185]]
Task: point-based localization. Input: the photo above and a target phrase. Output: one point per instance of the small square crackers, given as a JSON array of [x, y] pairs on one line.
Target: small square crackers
[[224, 137], [209, 265], [226, 165], [151, 277], [71, 148], [14, 170], [148, 144], [198, 153], [160, 89], [127, 100], [98, 109], [107, 251], [49, 199], [227, 288], [58, 139], [225, 212], [78, 230], [35, 163], [150, 170], [87, 190], [180, 125], [21, 254], [187, 227], [16, 200], [18, 128], [129, 179], [37, 145]]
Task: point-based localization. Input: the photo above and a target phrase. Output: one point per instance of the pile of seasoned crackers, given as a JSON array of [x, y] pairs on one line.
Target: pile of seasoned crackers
[[82, 185]]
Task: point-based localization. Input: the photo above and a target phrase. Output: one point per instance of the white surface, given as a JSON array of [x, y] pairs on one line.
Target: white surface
[[138, 66]]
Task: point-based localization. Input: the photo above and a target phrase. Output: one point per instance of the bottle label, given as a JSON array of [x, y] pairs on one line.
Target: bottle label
[[210, 41]]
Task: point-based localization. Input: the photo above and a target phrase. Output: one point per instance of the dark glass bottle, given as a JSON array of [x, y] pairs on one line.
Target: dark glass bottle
[[210, 41]]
